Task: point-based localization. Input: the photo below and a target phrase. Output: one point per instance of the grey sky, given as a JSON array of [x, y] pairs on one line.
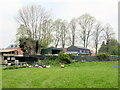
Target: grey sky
[[105, 11]]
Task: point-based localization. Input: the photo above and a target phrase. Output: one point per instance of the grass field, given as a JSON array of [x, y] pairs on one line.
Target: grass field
[[75, 75]]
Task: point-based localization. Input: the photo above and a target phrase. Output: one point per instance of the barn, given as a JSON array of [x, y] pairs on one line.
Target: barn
[[78, 50], [51, 51]]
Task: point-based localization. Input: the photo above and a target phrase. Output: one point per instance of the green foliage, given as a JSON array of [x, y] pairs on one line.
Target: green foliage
[[49, 57], [103, 56], [111, 47], [48, 62], [28, 45], [103, 48], [64, 58]]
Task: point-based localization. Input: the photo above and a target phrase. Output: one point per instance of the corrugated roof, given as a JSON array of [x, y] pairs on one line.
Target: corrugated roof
[[81, 47], [57, 49]]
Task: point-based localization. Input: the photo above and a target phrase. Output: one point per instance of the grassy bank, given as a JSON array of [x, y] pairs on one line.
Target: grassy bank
[[75, 75]]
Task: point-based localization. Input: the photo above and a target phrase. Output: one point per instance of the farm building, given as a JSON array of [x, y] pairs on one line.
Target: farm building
[[15, 47], [78, 50], [12, 50], [10, 53], [51, 51]]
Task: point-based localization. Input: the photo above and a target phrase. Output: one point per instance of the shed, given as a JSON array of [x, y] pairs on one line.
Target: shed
[[78, 50], [51, 50], [15, 47]]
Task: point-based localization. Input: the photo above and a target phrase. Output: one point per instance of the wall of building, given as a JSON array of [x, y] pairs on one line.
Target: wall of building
[[20, 52]]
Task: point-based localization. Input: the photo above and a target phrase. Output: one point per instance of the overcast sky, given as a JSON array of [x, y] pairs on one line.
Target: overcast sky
[[105, 11]]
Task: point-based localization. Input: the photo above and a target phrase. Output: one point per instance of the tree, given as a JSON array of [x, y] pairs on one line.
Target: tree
[[63, 33], [102, 49], [97, 35], [34, 23], [21, 32], [73, 28], [32, 17], [57, 26], [46, 37], [86, 23], [111, 47], [108, 34], [28, 45]]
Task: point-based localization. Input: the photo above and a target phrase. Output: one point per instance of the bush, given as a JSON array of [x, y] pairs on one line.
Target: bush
[[74, 61], [103, 56], [49, 57], [64, 58], [47, 62]]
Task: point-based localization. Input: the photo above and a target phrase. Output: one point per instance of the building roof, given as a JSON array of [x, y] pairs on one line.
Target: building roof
[[57, 49], [7, 50], [52, 49], [80, 47]]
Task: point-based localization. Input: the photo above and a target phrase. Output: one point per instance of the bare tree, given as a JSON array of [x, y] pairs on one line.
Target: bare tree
[[97, 35], [108, 34], [35, 21], [46, 37], [73, 28], [86, 23], [64, 29], [57, 31], [21, 32], [32, 17]]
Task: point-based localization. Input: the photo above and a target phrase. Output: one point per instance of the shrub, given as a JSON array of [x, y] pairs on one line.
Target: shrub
[[49, 57], [41, 62], [64, 58], [73, 61], [103, 56], [48, 62]]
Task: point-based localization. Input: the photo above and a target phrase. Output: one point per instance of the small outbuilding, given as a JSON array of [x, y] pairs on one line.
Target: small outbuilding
[[51, 51], [78, 50]]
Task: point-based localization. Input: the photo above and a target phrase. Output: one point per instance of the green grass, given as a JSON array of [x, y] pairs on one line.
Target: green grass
[[75, 75]]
